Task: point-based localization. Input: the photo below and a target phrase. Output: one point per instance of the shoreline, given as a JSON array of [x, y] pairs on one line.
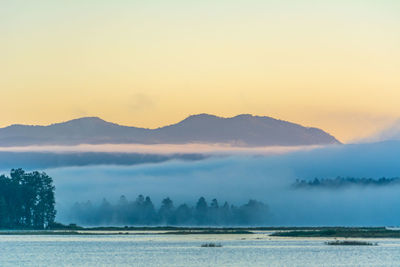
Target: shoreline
[[293, 232]]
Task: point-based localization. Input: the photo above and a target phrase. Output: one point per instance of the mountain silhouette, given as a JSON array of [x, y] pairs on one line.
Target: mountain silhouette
[[241, 130]]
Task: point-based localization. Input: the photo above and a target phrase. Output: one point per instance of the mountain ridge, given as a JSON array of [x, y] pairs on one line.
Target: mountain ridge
[[240, 130]]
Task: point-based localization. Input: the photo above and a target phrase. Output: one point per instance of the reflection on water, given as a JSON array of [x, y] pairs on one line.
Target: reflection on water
[[185, 250]]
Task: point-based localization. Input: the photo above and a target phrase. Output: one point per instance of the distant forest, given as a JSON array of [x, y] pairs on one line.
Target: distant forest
[[26, 200], [340, 182], [143, 212]]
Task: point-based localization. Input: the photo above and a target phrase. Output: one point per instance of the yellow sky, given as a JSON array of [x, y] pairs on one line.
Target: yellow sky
[[329, 64]]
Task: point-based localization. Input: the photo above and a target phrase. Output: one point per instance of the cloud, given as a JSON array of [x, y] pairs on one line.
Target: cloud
[[140, 102], [390, 131]]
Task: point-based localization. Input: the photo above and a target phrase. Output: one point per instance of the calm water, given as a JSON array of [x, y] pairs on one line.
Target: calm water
[[166, 250]]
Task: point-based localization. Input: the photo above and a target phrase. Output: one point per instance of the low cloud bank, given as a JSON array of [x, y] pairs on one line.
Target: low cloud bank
[[238, 178], [265, 178], [46, 160]]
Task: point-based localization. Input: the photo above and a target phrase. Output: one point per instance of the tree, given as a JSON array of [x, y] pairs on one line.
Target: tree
[[26, 200], [149, 211], [143, 212], [45, 212], [253, 213], [183, 215], [105, 212], [3, 213], [201, 211], [225, 213], [214, 214], [166, 211], [122, 210]]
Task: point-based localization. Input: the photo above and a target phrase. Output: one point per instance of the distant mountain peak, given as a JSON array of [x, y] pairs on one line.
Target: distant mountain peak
[[205, 116], [244, 116], [84, 119], [85, 122], [242, 130], [201, 116], [89, 118]]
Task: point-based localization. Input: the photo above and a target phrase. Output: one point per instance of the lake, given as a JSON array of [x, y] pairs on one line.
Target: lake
[[150, 249]]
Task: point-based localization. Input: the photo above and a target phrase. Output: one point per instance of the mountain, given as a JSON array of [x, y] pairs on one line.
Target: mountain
[[241, 130]]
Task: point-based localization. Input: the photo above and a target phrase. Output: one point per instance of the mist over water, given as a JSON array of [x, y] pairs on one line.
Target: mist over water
[[237, 179]]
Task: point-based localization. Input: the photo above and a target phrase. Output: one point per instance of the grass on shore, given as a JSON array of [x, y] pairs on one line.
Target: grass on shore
[[345, 232], [209, 232], [117, 231], [379, 232], [350, 243]]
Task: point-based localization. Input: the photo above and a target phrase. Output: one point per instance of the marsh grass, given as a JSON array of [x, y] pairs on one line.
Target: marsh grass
[[211, 245], [350, 243], [378, 232], [209, 232]]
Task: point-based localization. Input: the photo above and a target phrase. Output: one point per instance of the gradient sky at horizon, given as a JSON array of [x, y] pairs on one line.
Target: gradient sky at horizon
[[329, 64]]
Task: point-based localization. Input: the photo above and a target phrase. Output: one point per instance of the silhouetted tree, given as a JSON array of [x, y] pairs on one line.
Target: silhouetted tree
[[26, 200]]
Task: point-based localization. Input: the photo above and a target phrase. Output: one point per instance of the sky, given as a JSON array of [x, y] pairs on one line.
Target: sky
[[329, 64]]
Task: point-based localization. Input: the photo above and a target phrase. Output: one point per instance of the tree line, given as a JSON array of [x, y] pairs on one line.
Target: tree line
[[26, 200], [143, 212], [345, 181]]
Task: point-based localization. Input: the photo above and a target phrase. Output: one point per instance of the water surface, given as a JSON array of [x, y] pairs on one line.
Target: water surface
[[185, 250]]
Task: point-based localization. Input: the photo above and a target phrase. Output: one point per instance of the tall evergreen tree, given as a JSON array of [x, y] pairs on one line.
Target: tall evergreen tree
[[26, 200], [166, 211], [201, 211]]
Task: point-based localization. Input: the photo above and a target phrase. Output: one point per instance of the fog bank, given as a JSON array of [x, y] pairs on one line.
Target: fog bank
[[238, 178]]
